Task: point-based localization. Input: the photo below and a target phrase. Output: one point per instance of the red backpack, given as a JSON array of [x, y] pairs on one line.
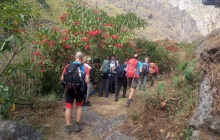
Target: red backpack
[[132, 65]]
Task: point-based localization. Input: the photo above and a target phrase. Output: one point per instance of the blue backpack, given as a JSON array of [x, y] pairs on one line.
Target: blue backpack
[[146, 67], [121, 71]]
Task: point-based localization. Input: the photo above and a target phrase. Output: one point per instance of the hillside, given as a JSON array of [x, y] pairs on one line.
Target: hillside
[[179, 20]]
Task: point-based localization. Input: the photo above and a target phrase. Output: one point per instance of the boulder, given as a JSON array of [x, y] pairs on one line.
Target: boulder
[[104, 127], [119, 136], [14, 131]]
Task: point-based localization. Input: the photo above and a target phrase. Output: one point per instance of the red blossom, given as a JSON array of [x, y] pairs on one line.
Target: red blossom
[[109, 25], [67, 46], [54, 29], [85, 39], [99, 18], [115, 36], [94, 32], [51, 43], [118, 45], [77, 23], [44, 57], [63, 17], [87, 46], [42, 70], [36, 53]]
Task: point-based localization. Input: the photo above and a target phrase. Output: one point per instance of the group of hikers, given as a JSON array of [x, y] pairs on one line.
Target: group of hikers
[[78, 78]]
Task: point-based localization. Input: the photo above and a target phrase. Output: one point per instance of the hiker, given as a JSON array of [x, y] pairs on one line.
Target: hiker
[[153, 71], [86, 61], [121, 80], [113, 64], [75, 75], [144, 74], [105, 77], [92, 82], [134, 67]]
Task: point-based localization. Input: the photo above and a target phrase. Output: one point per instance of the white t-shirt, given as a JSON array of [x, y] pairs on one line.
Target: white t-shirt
[[113, 66]]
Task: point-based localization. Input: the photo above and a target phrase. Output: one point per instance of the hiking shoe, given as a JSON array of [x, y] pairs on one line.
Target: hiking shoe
[[87, 104], [84, 108], [78, 127], [67, 129], [116, 99], [128, 104]]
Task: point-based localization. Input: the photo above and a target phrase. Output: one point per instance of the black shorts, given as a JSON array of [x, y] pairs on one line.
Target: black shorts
[[74, 93]]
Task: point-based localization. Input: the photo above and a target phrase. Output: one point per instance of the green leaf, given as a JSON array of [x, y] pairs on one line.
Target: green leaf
[[6, 45]]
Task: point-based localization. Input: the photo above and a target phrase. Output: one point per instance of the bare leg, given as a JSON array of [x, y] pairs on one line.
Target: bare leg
[[68, 115], [78, 113], [131, 93]]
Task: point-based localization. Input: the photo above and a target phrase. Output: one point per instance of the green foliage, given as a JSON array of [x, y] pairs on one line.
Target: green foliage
[[157, 54], [6, 101]]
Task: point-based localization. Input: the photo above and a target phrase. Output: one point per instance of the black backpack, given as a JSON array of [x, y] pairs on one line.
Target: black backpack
[[74, 75], [120, 70], [145, 68]]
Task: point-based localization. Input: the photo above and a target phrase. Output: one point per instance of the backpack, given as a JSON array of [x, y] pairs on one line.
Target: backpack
[[120, 70], [132, 65], [106, 67], [145, 68], [74, 75], [152, 68]]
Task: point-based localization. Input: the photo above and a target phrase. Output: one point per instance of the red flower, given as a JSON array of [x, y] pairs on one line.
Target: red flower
[[43, 56], [63, 17], [42, 61], [118, 45], [55, 29], [37, 53], [87, 46], [115, 36], [99, 18], [77, 23], [67, 46], [103, 42], [85, 39], [51, 43], [94, 32], [42, 70], [109, 25]]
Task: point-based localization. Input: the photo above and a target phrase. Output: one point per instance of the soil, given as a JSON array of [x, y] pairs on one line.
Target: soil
[[49, 117]]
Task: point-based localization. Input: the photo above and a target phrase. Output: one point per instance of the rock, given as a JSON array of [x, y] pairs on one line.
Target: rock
[[195, 136], [205, 104], [90, 117], [102, 128], [215, 127], [14, 131], [119, 136]]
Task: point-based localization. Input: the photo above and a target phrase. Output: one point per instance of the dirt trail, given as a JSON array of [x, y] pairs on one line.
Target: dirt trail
[[106, 108]]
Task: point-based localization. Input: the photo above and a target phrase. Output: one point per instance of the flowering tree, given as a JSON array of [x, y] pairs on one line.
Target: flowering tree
[[88, 30]]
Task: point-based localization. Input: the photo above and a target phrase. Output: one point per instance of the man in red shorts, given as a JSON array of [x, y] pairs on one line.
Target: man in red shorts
[[77, 94]]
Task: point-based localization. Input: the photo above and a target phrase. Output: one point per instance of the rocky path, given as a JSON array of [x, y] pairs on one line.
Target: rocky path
[[100, 122]]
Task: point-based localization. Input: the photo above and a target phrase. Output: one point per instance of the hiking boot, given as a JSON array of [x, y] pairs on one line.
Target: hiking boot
[[87, 104], [123, 96], [67, 129], [78, 127], [84, 108], [128, 104], [116, 99]]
